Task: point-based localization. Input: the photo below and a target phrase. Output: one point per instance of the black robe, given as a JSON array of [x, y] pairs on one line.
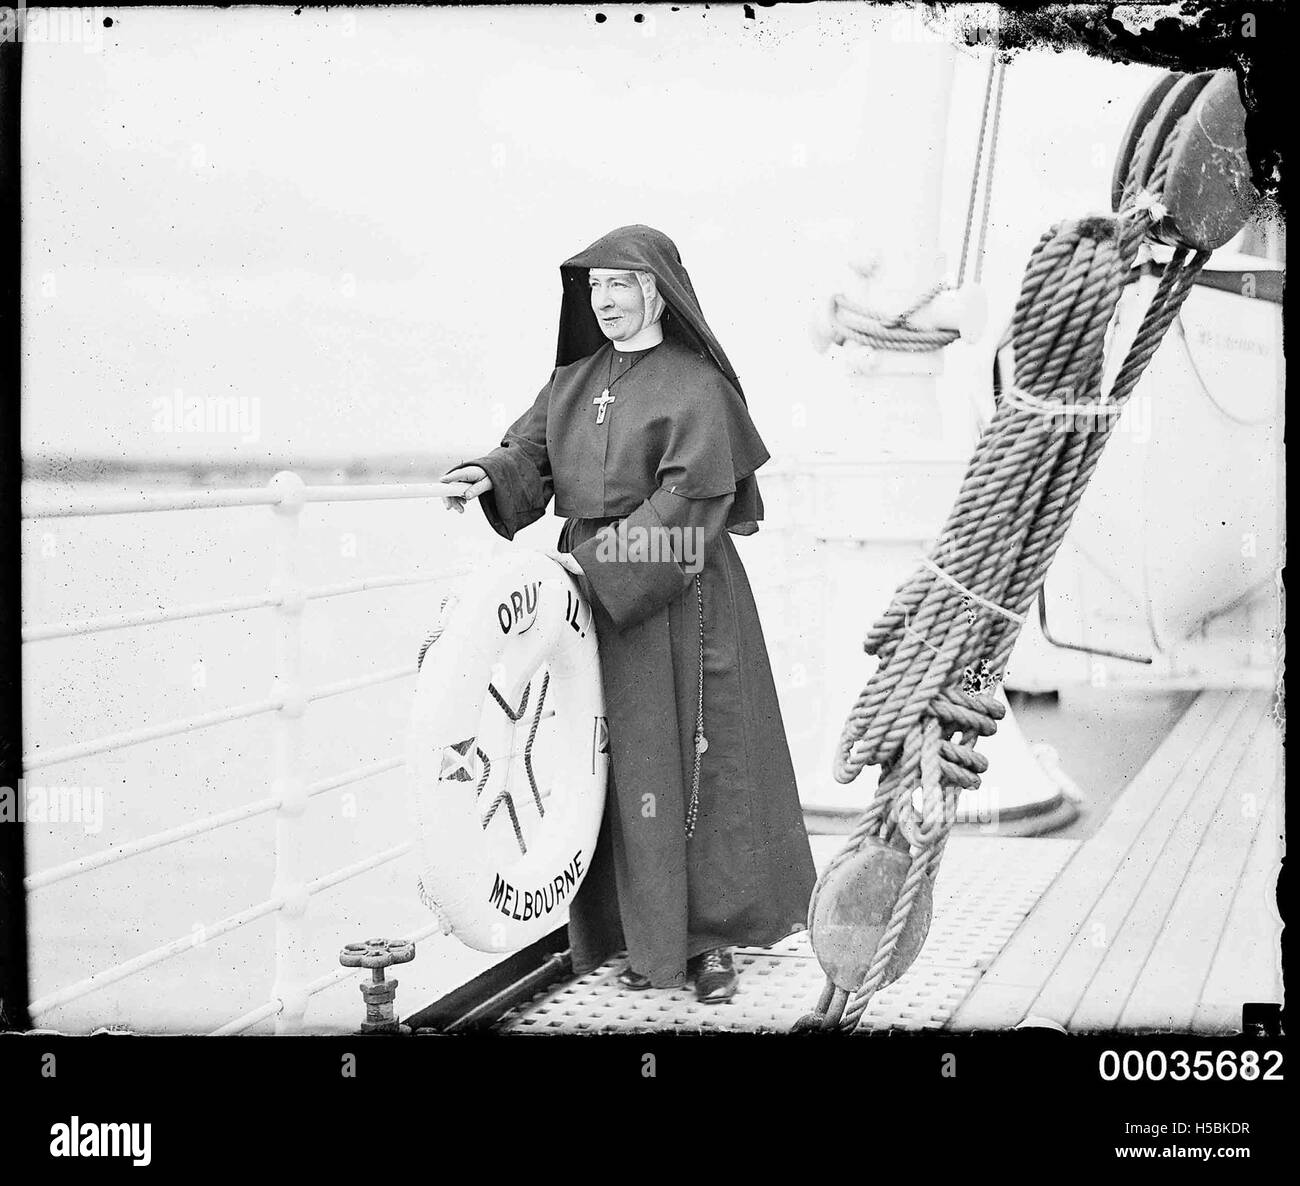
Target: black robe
[[676, 451]]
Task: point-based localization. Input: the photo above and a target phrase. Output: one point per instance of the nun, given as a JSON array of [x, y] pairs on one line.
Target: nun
[[643, 438]]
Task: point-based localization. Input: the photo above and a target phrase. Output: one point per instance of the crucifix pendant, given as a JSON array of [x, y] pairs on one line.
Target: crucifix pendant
[[603, 400]]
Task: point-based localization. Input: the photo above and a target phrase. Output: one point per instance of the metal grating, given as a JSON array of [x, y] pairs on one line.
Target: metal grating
[[985, 888]]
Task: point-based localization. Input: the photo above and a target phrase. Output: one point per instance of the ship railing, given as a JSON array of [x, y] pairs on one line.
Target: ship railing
[[286, 494]]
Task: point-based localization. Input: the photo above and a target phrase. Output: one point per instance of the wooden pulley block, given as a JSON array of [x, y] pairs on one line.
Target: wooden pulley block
[[1128, 143], [853, 909], [1176, 103], [1208, 191]]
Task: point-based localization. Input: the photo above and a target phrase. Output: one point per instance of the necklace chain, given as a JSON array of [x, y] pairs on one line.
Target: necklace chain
[[610, 379]]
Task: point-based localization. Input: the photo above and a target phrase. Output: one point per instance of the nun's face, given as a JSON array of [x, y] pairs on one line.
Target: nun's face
[[618, 302]]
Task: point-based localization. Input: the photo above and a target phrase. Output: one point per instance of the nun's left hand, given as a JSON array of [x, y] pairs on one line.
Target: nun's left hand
[[567, 562]]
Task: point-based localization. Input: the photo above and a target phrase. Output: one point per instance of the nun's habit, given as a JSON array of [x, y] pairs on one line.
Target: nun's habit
[[675, 448]]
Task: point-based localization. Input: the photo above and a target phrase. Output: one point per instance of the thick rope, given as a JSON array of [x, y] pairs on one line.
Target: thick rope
[[867, 327], [944, 641]]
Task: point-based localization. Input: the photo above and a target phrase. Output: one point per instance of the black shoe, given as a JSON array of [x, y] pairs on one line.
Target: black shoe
[[633, 980], [714, 974]]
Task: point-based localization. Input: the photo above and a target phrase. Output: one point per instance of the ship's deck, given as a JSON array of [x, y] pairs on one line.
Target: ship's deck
[[1164, 918]]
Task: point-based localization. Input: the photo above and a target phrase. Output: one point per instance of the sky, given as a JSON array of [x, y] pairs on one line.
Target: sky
[[352, 220]]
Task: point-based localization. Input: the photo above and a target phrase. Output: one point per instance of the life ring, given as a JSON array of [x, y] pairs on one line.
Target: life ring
[[505, 837]]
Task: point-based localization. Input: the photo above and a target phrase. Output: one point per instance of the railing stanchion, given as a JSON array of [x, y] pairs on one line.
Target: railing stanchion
[[292, 960]]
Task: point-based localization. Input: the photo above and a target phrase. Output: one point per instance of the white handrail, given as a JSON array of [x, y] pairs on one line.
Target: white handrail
[[150, 617], [248, 1020], [137, 502], [382, 491], [347, 872], [154, 956], [221, 716], [355, 682], [119, 852], [231, 605], [209, 823], [356, 774], [111, 741], [365, 584]]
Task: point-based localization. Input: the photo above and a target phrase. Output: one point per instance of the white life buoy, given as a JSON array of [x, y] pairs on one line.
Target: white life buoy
[[508, 753]]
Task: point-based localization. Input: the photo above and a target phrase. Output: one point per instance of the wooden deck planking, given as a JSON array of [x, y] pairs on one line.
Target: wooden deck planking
[[1168, 987], [1005, 995], [1160, 880], [1247, 966]]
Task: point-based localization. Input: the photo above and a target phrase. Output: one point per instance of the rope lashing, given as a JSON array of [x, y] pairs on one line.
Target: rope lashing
[[849, 321], [867, 327], [943, 643], [971, 595]]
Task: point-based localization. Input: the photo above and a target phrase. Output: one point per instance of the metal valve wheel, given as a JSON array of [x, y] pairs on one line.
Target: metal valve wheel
[[379, 994], [377, 954]]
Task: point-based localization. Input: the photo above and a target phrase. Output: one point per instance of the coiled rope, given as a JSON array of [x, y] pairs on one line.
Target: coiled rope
[[944, 641]]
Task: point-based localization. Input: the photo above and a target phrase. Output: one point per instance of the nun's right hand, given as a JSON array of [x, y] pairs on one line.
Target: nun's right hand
[[476, 482]]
